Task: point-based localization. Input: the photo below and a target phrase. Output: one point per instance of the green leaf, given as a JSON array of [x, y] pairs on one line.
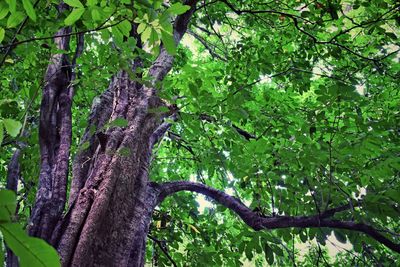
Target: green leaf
[[2, 32], [141, 28], [119, 122], [365, 180], [168, 41], [12, 4], [161, 109], [29, 9], [3, 10], [145, 3], [125, 152], [74, 16], [85, 145], [15, 19], [74, 3], [146, 34], [8, 204], [125, 27], [269, 254], [96, 16], [117, 35], [12, 127], [153, 37], [32, 252], [303, 236], [340, 236], [178, 9], [91, 2]]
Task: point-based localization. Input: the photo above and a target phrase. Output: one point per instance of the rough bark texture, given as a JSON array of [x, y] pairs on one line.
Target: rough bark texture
[[13, 176], [55, 141], [113, 204], [111, 198]]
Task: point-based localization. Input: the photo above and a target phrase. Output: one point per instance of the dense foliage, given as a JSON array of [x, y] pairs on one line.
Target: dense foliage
[[291, 106]]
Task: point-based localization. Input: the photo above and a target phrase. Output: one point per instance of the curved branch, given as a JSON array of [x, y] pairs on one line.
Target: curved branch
[[257, 222]]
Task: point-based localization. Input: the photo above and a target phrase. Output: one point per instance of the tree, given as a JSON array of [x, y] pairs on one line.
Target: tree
[[284, 114]]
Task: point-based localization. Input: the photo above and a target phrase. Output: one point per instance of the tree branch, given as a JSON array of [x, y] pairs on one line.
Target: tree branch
[[257, 222], [161, 130], [160, 244], [9, 48], [101, 27], [207, 46], [163, 63]]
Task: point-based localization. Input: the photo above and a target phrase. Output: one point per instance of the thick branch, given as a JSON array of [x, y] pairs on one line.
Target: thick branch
[[164, 61], [55, 136], [257, 222]]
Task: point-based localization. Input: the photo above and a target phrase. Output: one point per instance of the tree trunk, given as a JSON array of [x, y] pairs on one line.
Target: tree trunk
[[111, 201], [111, 198]]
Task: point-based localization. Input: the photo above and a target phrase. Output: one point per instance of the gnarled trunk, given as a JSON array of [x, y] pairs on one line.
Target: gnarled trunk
[[111, 201], [111, 198]]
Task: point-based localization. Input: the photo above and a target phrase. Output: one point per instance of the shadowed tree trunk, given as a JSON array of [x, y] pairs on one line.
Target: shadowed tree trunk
[[111, 198]]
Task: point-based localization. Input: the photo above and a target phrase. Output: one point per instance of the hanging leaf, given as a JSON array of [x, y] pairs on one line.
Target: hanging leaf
[[3, 10], [146, 34], [141, 28], [74, 3], [178, 9], [269, 254], [12, 4], [2, 32], [153, 37], [15, 19], [125, 27], [29, 9], [8, 205], [96, 16], [12, 127], [168, 41], [32, 252], [74, 16]]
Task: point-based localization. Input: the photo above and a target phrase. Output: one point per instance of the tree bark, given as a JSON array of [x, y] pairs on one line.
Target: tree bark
[[111, 199], [13, 176]]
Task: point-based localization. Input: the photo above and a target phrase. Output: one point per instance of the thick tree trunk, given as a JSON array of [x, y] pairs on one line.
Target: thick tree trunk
[[111, 198], [111, 201]]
